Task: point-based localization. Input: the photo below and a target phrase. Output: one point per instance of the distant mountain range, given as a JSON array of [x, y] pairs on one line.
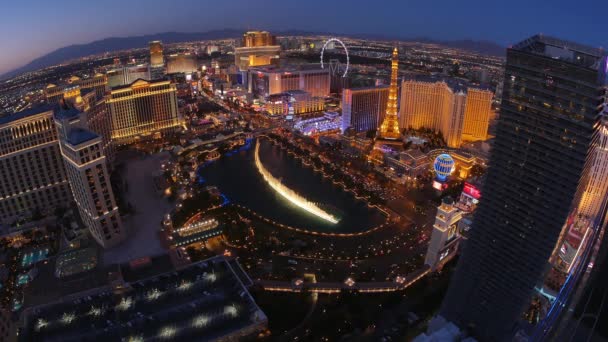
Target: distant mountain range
[[122, 43]]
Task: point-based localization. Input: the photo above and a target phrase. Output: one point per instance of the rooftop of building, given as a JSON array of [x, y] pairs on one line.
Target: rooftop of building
[[413, 153], [139, 81], [77, 136], [73, 81], [204, 301], [256, 32], [26, 113], [555, 48], [456, 84], [292, 92], [288, 68], [384, 86], [66, 114]]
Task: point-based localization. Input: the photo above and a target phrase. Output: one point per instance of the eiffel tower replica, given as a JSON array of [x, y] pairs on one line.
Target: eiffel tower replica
[[389, 129], [389, 133]]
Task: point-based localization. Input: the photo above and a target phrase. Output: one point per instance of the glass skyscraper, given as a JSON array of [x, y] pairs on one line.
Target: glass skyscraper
[[553, 96]]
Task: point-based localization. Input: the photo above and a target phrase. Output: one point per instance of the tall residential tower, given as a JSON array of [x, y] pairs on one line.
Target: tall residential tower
[[549, 117], [88, 177]]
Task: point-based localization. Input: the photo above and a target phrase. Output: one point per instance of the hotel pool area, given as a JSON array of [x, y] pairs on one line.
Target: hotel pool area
[[33, 257], [23, 279]]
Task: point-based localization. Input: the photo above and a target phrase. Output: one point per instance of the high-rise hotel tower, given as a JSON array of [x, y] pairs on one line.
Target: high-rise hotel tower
[[156, 53], [363, 109], [143, 108], [157, 60], [32, 175], [550, 112], [87, 173], [451, 107]]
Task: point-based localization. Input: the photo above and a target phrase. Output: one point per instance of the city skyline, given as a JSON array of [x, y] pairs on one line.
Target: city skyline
[[449, 21], [304, 171]]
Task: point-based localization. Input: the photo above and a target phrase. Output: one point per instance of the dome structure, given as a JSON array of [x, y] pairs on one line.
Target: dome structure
[[443, 166]]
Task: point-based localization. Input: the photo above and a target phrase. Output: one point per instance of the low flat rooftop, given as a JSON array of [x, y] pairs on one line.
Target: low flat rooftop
[[67, 114], [78, 136], [575, 53], [204, 301]]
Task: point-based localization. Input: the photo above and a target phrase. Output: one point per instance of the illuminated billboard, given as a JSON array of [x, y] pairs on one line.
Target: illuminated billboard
[[471, 190]]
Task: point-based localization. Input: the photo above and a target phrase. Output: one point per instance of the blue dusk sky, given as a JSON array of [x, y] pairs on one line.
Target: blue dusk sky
[[31, 28]]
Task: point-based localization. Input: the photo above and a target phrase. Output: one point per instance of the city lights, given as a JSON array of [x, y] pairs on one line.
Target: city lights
[[134, 205], [200, 321], [167, 333]]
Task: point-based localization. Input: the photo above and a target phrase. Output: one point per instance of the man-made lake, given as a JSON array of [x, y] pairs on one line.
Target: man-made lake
[[236, 175]]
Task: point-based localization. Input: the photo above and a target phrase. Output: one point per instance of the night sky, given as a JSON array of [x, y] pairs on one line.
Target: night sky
[[30, 28]]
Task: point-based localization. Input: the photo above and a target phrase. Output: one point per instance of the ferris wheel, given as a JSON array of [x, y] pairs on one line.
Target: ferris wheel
[[336, 40]]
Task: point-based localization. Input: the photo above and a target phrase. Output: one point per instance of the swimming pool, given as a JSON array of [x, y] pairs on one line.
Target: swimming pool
[[23, 279], [33, 257]]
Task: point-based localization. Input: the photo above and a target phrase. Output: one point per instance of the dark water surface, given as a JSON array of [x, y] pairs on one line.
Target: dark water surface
[[237, 177]]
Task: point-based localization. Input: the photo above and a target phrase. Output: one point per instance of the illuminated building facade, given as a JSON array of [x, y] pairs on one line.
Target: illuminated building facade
[[258, 38], [478, 110], [157, 60], [75, 87], [464, 163], [86, 169], [363, 108], [99, 121], [143, 108], [389, 128], [539, 159], [156, 53], [444, 238], [590, 206], [259, 48], [181, 63], [596, 189], [293, 102], [265, 81], [453, 124], [196, 232], [128, 74], [457, 111], [32, 174], [424, 104]]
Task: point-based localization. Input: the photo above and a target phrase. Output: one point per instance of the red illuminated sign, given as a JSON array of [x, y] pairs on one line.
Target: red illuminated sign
[[471, 190]]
